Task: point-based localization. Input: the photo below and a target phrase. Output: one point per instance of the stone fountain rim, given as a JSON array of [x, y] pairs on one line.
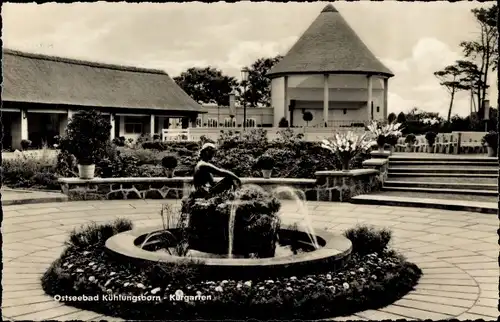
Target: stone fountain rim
[[336, 247]]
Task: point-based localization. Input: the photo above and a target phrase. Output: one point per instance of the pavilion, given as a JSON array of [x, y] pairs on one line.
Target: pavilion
[[40, 93], [332, 74]]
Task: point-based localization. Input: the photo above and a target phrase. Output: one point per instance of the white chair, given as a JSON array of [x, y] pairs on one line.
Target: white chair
[[401, 145]]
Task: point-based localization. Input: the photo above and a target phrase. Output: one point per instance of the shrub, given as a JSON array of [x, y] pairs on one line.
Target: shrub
[[367, 240], [265, 162], [25, 144], [381, 140], [94, 236], [86, 136], [431, 137], [169, 162], [391, 118], [410, 139], [491, 139], [307, 117], [283, 123], [119, 141], [392, 139], [29, 171]]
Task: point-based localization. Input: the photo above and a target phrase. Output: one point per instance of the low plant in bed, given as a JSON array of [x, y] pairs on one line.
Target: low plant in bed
[[373, 278]]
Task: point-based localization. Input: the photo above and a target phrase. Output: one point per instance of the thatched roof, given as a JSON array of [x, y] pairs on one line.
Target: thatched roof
[[329, 45], [45, 79]]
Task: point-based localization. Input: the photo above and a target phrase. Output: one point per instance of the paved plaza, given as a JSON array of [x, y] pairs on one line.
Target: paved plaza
[[457, 251]]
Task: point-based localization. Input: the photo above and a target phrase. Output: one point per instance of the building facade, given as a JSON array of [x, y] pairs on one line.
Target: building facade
[[330, 73], [41, 93]]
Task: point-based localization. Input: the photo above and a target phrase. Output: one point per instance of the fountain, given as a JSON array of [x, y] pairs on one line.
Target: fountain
[[236, 234]]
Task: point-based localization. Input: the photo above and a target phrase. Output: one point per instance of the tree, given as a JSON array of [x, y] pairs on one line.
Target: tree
[[449, 77], [484, 50], [207, 85], [307, 117], [259, 85], [401, 118]]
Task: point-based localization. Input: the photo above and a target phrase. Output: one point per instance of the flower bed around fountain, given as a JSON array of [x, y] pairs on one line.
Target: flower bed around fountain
[[372, 278]]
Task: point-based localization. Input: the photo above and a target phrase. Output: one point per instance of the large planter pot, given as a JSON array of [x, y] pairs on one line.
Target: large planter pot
[[491, 151], [380, 148], [266, 173], [86, 171], [392, 149], [409, 147]]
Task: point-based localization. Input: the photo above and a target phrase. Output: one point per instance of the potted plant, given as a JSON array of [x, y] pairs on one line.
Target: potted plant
[[410, 142], [169, 162], [431, 139], [490, 139], [25, 144], [381, 140], [382, 132], [266, 164], [86, 137]]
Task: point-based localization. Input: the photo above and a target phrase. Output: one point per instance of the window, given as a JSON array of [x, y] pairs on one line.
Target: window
[[378, 109], [345, 111], [212, 123], [228, 122], [133, 125], [251, 123], [198, 122]]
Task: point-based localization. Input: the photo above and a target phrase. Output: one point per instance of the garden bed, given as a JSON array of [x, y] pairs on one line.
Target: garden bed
[[374, 277]]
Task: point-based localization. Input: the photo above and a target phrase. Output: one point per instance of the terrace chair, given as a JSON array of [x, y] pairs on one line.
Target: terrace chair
[[442, 142], [421, 144], [400, 145], [452, 146]]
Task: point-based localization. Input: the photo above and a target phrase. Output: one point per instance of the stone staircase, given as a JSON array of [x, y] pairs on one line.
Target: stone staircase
[[463, 180]]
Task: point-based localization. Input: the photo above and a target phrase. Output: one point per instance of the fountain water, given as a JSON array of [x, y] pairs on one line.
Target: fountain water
[[297, 195], [300, 199]]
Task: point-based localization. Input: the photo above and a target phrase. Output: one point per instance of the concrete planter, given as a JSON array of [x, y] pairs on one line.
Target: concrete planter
[[169, 173], [266, 173], [86, 171]]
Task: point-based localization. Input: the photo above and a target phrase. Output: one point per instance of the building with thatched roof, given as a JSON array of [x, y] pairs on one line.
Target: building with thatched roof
[[41, 92], [330, 73]]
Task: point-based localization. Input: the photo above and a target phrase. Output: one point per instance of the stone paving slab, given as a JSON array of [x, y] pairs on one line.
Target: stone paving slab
[[453, 248]]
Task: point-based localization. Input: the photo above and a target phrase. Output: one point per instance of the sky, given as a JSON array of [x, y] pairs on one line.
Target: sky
[[412, 39]]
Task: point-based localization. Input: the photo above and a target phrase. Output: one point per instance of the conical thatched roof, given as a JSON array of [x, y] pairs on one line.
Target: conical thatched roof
[[329, 45], [45, 79]]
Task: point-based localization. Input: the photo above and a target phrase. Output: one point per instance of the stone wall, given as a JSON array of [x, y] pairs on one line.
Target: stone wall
[[165, 188], [343, 185]]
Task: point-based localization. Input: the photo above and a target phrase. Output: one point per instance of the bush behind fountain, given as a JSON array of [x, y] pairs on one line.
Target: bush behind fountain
[[256, 222]]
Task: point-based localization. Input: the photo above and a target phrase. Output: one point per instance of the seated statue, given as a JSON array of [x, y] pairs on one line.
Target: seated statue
[[204, 171]]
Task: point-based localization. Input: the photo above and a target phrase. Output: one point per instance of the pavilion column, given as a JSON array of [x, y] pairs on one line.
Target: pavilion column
[[24, 125], [326, 99], [113, 123], [286, 112], [386, 95], [369, 100], [152, 125]]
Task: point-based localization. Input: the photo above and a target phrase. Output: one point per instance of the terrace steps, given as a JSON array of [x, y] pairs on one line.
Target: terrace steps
[[439, 181]]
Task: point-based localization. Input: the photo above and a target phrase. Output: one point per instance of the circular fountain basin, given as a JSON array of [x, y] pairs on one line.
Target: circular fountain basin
[[333, 253]]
